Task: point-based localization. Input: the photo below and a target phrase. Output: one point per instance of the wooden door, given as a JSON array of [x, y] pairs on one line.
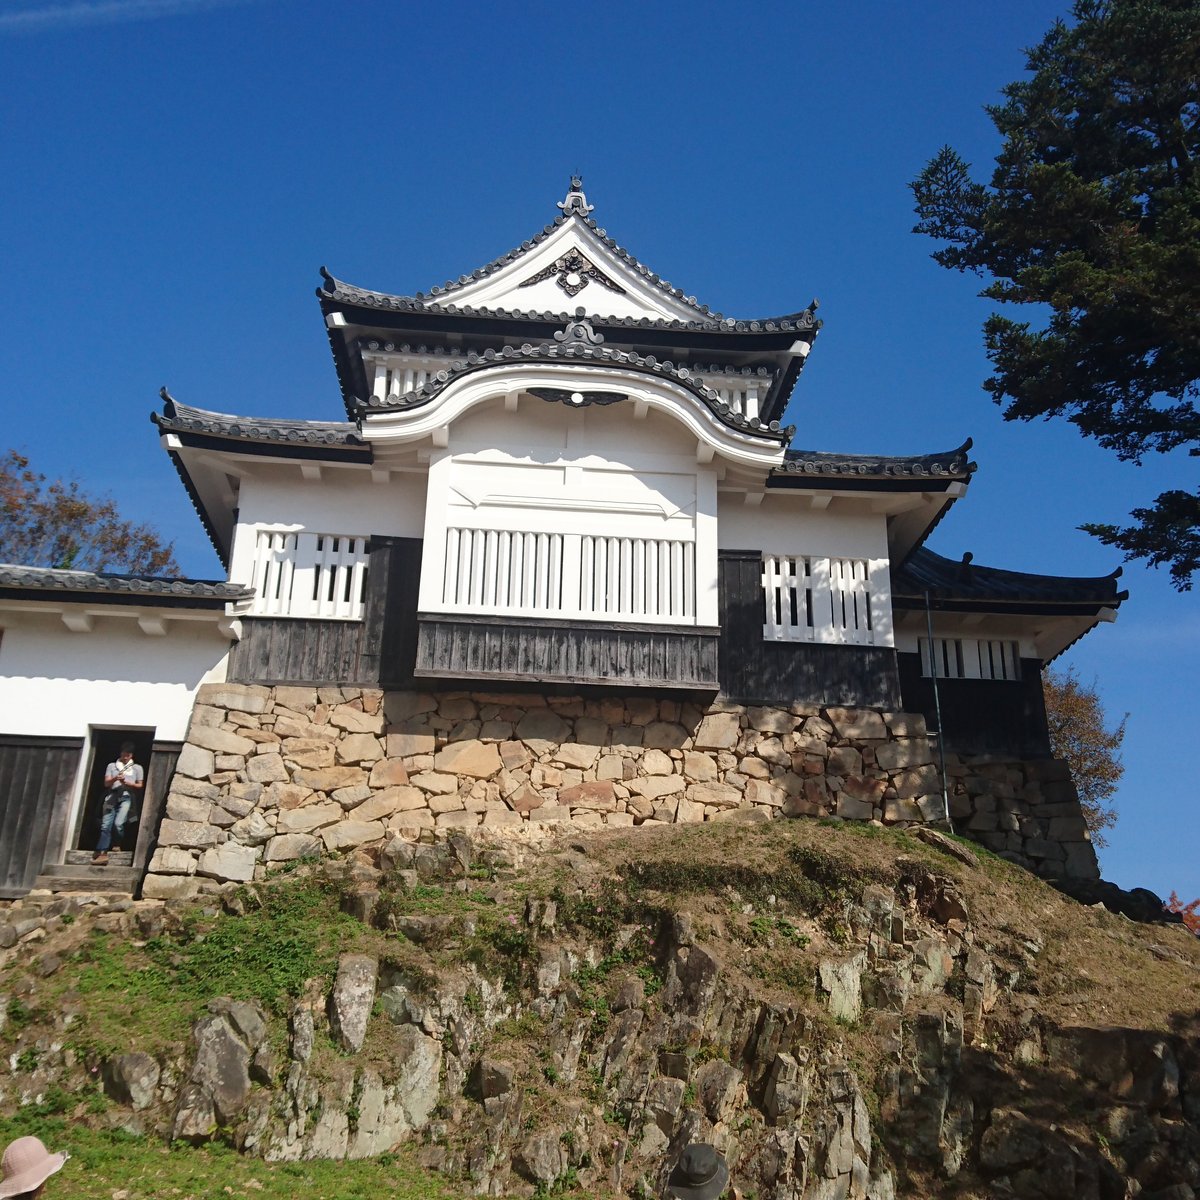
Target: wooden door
[[37, 777]]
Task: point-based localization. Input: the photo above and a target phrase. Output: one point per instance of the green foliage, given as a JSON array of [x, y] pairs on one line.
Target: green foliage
[[19, 1013], [27, 1060], [290, 933], [1093, 215], [763, 929], [1080, 734], [502, 943], [293, 935], [55, 524]]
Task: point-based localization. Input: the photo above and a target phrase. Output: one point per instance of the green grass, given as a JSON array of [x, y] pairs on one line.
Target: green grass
[[291, 932], [103, 1162]]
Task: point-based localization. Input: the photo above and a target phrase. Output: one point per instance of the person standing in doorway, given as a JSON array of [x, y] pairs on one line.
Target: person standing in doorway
[[121, 779]]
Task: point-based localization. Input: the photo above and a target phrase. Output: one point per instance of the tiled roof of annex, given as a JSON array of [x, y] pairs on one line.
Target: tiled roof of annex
[[946, 465], [184, 418], [134, 587], [963, 581]]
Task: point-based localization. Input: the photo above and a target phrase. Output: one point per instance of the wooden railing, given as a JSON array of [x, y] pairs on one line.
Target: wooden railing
[[817, 600], [309, 575]]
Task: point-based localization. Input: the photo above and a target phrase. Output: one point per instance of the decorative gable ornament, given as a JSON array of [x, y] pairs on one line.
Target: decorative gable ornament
[[573, 272]]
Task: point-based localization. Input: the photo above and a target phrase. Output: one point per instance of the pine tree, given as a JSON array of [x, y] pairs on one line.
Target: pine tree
[[1093, 215]]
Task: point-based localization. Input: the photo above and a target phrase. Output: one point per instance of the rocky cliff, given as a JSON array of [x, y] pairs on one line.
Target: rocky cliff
[[844, 1010]]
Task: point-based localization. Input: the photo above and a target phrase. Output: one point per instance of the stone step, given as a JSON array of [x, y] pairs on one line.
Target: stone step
[[83, 858], [86, 870], [102, 881]]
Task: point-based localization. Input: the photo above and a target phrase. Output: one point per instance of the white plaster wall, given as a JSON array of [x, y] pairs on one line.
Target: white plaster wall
[[57, 683], [597, 470], [342, 501], [786, 524], [607, 432]]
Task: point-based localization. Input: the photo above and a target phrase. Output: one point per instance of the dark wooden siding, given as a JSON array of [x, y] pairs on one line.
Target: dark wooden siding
[[366, 652], [298, 650], [36, 776], [502, 649], [397, 613], [754, 670], [983, 716], [158, 783]]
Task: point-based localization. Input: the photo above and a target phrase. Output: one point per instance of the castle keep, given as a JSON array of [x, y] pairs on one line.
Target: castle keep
[[559, 560]]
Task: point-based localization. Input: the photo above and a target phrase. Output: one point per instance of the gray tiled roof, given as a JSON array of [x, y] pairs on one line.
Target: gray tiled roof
[[454, 285], [149, 587], [338, 291], [952, 464], [183, 418], [575, 352], [964, 581]]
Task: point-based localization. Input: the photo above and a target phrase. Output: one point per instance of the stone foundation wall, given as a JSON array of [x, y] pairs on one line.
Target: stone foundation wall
[[274, 774], [1028, 812]]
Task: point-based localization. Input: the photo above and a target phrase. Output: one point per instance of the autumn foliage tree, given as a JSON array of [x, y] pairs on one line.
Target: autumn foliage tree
[[1080, 734], [1190, 912], [46, 523]]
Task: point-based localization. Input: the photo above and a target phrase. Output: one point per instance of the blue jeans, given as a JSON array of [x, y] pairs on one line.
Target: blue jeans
[[113, 814]]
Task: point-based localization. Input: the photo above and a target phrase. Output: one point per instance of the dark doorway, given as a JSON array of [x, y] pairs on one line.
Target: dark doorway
[[106, 745]]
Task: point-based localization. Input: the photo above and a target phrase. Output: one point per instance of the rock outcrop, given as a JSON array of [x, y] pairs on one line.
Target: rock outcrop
[[846, 1016]]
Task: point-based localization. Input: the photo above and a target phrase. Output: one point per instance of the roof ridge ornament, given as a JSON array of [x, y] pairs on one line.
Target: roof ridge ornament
[[575, 204], [579, 332]]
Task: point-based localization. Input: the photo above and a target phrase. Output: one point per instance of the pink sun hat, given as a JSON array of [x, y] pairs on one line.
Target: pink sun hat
[[26, 1165]]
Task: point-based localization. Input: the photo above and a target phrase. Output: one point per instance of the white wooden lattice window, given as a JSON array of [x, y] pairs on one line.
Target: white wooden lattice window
[[638, 577], [808, 599], [309, 575], [971, 658], [501, 568], [568, 574]]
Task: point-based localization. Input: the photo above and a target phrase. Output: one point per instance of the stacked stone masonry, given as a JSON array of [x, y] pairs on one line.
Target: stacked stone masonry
[[269, 775]]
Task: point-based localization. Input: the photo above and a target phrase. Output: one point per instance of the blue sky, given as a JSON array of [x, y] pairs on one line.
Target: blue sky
[[175, 171]]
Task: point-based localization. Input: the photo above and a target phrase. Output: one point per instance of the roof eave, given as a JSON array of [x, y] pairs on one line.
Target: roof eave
[[123, 599], [197, 503]]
